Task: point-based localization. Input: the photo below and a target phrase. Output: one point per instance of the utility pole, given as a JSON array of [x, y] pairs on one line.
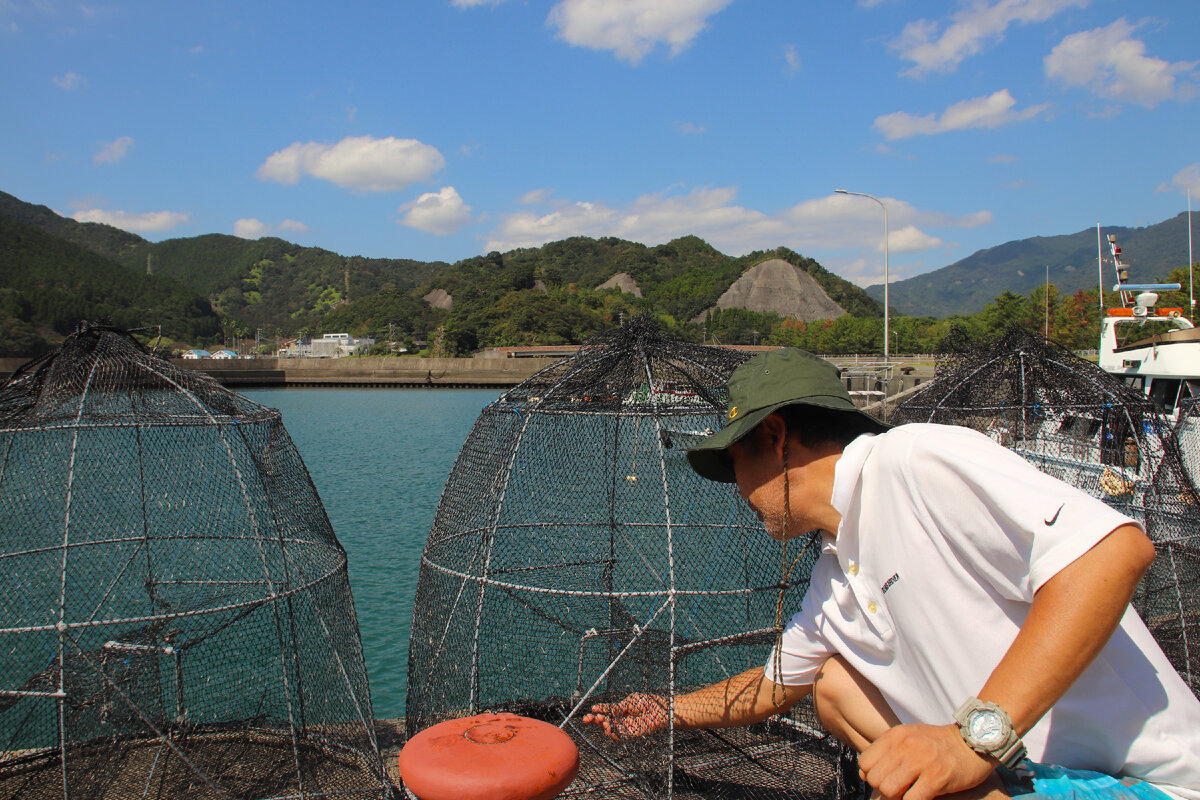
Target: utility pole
[[1047, 301]]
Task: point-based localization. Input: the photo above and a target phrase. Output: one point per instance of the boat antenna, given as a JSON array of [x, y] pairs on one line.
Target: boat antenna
[[1191, 294]]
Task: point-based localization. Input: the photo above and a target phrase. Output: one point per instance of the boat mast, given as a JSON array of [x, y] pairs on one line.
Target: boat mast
[[1099, 267], [1121, 270]]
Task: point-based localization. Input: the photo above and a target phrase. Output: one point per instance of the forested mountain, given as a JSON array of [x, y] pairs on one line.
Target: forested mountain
[[265, 283], [48, 284], [542, 295], [205, 289], [103, 239], [273, 284], [549, 289], [967, 286]]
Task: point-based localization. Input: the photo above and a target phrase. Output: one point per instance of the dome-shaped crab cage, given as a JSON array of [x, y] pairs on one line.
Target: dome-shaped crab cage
[[1090, 429], [576, 558], [175, 615]]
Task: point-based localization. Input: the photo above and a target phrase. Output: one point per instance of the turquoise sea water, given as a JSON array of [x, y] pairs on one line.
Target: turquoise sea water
[[379, 459]]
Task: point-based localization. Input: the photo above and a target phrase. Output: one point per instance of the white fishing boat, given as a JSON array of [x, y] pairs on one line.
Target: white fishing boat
[[1156, 350]]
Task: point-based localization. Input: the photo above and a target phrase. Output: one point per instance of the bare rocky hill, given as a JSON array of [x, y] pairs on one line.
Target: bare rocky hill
[[439, 298], [623, 281], [777, 286]]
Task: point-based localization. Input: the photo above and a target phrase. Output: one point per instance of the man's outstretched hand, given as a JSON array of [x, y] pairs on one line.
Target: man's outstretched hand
[[920, 762], [636, 715]]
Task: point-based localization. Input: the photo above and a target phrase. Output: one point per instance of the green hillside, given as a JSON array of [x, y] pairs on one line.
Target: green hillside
[[265, 283], [103, 239], [49, 284], [543, 295], [546, 295], [967, 286], [273, 284], [200, 287]]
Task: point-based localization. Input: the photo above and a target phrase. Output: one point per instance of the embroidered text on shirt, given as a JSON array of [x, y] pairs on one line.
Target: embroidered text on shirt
[[895, 577]]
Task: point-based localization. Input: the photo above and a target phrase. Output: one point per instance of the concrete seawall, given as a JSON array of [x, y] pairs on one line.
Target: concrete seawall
[[396, 372], [864, 381]]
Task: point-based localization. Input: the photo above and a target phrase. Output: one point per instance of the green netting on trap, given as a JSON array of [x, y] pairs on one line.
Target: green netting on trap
[[1090, 429], [175, 616], [576, 558]]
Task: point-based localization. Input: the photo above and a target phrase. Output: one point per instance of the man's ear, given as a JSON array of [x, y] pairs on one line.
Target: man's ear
[[773, 432]]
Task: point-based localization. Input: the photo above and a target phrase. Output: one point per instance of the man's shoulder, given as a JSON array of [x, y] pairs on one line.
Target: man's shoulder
[[927, 443], [932, 435], [921, 435]]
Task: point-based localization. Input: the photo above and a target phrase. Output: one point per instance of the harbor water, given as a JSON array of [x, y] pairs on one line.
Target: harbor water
[[379, 459]]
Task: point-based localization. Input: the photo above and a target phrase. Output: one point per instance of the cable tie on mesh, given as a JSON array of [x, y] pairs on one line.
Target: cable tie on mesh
[[141, 648]]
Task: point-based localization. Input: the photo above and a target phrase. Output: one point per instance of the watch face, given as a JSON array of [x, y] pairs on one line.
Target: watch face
[[986, 727]]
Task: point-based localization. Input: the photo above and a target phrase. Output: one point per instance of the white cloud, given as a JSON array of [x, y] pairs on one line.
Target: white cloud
[[974, 26], [691, 128], [842, 218], [442, 212], [113, 151], [911, 239], [250, 228], [356, 162], [527, 229], [632, 28], [1111, 64], [791, 57], [832, 222], [535, 197], [978, 112], [1188, 178], [1002, 158], [69, 81], [149, 222]]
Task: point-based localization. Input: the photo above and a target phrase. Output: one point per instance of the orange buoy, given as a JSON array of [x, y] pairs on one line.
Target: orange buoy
[[489, 757]]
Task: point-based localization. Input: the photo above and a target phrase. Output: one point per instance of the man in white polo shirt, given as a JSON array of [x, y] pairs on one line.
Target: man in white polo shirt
[[967, 627]]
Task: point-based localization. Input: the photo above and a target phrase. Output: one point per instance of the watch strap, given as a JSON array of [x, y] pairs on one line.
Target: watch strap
[[1010, 752]]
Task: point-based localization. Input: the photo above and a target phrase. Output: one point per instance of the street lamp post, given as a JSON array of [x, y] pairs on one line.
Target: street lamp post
[[886, 347]]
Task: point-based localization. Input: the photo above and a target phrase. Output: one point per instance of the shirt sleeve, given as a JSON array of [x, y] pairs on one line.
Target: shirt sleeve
[[801, 650], [1011, 523]]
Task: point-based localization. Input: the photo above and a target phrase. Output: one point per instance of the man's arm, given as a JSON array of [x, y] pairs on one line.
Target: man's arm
[[741, 700], [1071, 618]]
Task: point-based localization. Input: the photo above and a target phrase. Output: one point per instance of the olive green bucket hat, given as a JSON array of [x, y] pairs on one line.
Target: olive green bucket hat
[[766, 383]]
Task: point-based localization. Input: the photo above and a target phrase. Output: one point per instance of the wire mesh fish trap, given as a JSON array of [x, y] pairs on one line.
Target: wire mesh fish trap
[[175, 615], [1090, 429], [576, 558]]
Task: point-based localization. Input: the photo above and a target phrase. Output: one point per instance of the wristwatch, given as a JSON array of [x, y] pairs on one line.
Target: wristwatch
[[987, 729]]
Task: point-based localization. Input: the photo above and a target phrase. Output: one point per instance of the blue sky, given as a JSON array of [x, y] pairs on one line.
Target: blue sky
[[440, 129]]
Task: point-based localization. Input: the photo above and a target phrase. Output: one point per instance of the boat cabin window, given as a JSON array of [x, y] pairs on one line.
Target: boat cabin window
[[1170, 392]]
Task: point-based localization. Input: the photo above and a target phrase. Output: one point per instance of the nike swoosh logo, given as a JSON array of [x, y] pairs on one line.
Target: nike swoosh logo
[[1054, 519]]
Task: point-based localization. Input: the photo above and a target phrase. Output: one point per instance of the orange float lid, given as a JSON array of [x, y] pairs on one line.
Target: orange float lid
[[489, 757]]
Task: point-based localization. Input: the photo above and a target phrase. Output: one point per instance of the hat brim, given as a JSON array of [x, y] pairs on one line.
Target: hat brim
[[709, 459]]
